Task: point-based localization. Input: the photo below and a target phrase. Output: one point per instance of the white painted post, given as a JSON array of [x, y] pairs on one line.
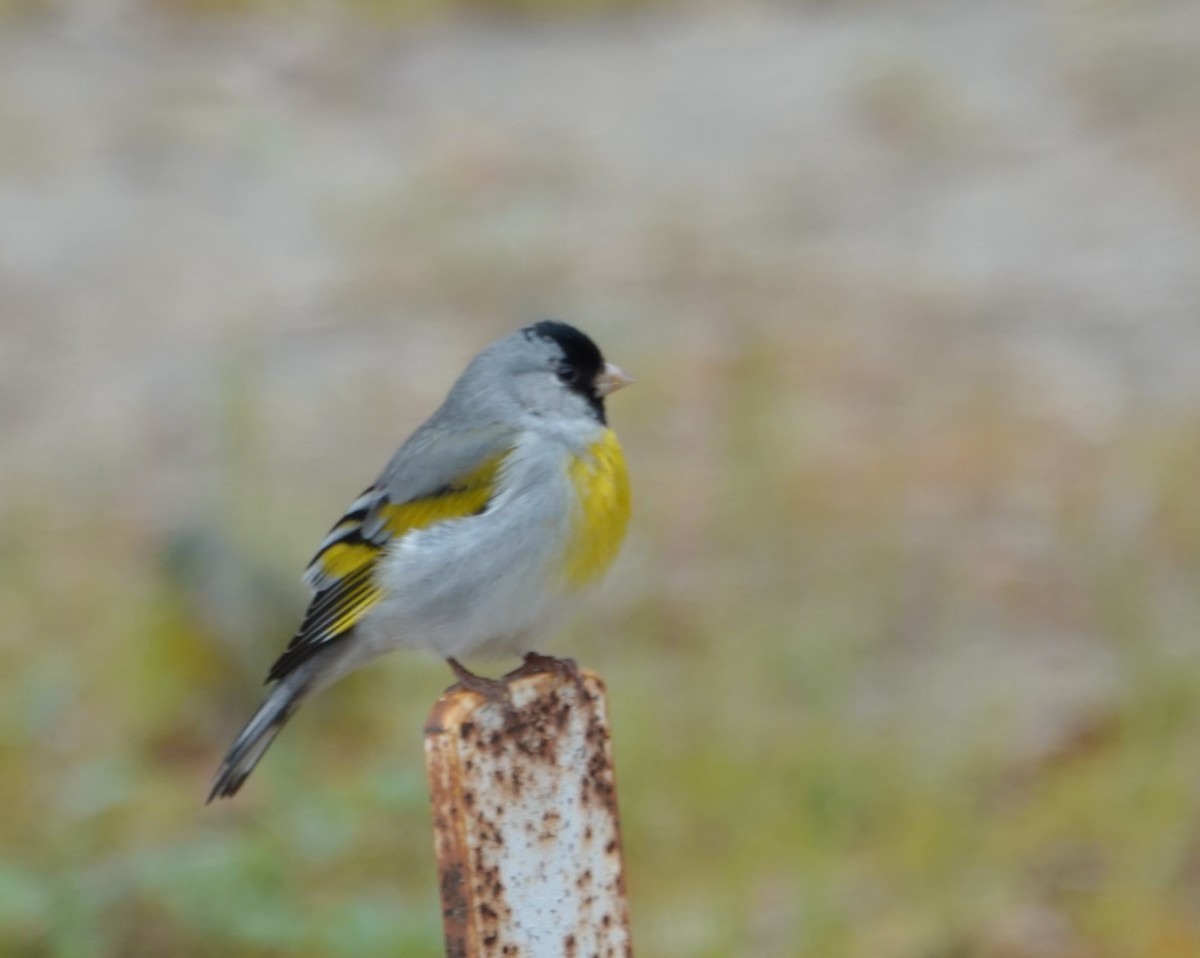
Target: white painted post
[[525, 821]]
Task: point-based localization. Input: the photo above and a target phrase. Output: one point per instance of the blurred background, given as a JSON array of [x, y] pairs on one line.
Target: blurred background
[[902, 650]]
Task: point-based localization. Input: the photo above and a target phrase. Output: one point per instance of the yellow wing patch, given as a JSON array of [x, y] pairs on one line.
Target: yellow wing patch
[[353, 550], [464, 497], [602, 485], [342, 558]]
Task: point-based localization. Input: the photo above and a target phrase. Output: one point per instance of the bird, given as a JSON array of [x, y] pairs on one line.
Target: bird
[[489, 521]]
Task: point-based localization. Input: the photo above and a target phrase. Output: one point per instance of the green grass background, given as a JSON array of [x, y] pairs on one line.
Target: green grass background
[[902, 654], [794, 777]]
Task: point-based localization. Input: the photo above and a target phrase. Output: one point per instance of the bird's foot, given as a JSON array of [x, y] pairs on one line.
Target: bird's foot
[[538, 664], [535, 663], [494, 690]]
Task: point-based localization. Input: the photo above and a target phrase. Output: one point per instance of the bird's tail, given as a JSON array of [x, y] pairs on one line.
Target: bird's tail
[[257, 736]]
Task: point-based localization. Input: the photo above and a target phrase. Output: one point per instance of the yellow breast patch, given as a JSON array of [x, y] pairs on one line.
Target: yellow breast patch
[[602, 487]]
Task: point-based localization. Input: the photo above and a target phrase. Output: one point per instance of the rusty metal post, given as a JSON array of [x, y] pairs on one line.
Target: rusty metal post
[[525, 821]]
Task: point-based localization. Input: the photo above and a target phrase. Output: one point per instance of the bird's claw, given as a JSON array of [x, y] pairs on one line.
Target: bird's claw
[[563, 669], [493, 690]]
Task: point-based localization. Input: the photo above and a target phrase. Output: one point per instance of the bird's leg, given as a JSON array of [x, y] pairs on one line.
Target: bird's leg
[[494, 690]]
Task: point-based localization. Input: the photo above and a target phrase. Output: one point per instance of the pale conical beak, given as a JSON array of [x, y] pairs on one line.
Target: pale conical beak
[[611, 379]]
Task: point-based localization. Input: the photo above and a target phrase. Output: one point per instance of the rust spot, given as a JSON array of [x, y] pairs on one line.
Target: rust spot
[[466, 729], [611, 847], [569, 946], [454, 898]]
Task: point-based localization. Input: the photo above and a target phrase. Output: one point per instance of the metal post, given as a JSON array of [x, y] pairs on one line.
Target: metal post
[[525, 821]]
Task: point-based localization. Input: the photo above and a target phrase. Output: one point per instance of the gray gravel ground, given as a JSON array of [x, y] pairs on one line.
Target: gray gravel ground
[[352, 205]]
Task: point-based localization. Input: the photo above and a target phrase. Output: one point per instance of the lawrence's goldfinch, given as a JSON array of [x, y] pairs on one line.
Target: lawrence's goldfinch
[[487, 522]]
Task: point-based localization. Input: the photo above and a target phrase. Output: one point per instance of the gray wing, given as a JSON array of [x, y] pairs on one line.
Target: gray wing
[[439, 474]]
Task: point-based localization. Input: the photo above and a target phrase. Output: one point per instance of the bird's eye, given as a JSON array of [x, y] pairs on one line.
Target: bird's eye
[[567, 373]]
